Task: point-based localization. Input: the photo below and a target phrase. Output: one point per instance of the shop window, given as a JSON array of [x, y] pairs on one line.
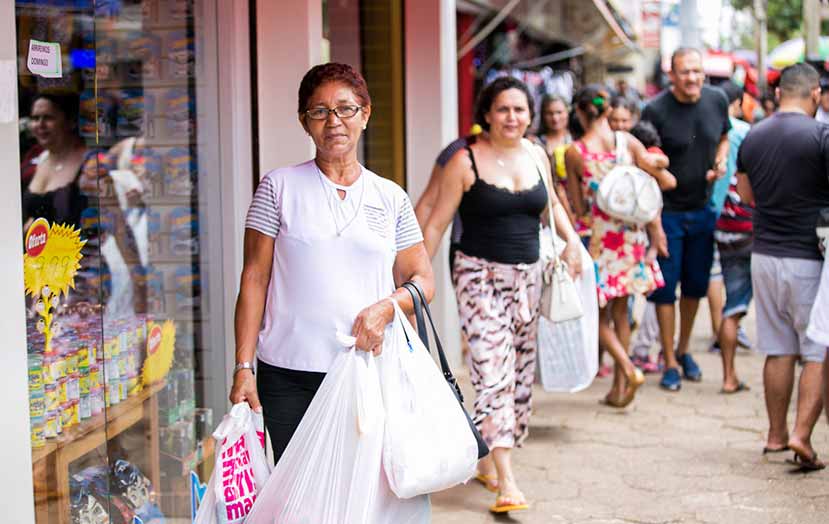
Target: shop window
[[125, 343]]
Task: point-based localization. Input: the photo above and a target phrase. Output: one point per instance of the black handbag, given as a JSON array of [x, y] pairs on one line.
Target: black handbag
[[421, 305]]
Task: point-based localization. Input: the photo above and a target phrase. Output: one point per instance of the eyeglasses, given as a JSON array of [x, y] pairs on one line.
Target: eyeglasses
[[342, 112]]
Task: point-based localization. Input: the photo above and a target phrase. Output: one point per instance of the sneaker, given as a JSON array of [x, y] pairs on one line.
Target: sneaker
[[715, 348], [671, 380], [742, 338], [690, 369], [645, 364]]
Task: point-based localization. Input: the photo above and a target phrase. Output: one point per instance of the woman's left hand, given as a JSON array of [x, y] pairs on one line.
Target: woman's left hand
[[370, 326], [572, 257]]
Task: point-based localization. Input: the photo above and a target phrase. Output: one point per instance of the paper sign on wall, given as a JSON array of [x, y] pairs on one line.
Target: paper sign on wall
[[44, 59]]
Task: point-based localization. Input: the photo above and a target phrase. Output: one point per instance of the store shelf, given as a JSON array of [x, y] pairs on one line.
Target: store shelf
[[142, 28], [203, 451], [52, 463], [118, 418], [148, 84]]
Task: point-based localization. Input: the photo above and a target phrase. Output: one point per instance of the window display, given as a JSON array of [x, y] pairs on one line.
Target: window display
[[118, 127]]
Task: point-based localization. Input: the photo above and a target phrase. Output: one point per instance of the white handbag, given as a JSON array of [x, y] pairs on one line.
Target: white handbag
[[560, 299], [627, 193]]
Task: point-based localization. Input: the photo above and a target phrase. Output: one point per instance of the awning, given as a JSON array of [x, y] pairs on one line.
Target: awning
[[608, 14]]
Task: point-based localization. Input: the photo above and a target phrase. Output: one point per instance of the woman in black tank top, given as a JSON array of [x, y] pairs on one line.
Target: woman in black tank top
[[497, 187]]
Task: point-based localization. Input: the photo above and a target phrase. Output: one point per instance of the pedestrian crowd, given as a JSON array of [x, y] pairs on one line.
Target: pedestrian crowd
[[718, 209]]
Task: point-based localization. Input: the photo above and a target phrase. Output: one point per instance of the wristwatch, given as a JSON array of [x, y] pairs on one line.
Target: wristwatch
[[244, 365]]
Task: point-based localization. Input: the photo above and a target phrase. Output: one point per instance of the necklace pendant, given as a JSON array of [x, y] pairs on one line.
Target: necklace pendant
[[500, 162]]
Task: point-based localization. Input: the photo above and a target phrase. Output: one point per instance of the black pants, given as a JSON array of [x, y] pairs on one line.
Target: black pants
[[285, 395]]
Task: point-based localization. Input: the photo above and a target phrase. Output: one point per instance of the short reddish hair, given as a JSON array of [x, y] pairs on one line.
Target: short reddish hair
[[332, 72]]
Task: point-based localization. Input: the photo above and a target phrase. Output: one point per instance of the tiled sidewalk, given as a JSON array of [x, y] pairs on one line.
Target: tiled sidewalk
[[689, 457]]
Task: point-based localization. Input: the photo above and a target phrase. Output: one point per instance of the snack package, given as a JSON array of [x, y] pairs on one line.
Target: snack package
[[179, 113], [179, 172], [148, 166], [184, 231], [155, 290], [155, 241], [180, 10], [145, 48], [188, 289], [181, 54], [86, 113], [135, 114]]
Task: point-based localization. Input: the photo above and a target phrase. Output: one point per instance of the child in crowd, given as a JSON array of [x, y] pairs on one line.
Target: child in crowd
[[648, 332]]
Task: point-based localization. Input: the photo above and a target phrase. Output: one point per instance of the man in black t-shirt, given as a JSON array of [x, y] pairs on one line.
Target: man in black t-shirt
[[692, 121], [782, 167]]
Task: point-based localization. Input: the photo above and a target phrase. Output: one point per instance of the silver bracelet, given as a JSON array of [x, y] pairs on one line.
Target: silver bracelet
[[244, 365]]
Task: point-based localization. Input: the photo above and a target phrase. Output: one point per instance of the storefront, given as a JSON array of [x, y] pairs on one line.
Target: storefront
[[137, 129]]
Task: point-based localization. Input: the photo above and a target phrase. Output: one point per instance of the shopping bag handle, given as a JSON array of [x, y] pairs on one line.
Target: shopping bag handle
[[420, 305]]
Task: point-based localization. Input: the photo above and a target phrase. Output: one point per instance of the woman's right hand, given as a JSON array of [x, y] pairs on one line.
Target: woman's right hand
[[244, 389]]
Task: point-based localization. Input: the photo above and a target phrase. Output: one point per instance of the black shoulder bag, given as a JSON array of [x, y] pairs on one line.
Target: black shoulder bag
[[421, 305]]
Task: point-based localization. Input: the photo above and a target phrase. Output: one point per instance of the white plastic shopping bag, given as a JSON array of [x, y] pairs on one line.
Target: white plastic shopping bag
[[331, 472], [568, 352], [241, 468], [428, 446]]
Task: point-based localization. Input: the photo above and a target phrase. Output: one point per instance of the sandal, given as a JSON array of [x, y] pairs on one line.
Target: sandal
[[634, 383], [742, 386], [489, 482], [611, 401], [768, 450], [507, 503]]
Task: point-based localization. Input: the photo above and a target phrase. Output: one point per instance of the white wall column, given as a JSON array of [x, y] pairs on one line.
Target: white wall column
[[431, 123], [16, 483], [288, 43], [235, 139]]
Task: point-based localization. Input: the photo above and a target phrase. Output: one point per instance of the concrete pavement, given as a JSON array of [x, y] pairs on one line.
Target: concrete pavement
[[687, 457]]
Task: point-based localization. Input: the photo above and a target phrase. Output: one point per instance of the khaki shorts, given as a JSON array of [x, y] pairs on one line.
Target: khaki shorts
[[784, 291]]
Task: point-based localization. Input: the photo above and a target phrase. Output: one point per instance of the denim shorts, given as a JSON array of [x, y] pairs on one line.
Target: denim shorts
[[690, 254], [736, 273]]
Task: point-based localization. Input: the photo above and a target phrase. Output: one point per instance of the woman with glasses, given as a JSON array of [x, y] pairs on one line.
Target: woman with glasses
[[499, 187], [327, 243]]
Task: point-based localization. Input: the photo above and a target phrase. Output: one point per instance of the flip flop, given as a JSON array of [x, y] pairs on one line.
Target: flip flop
[[803, 461], [489, 482], [742, 386], [803, 464], [766, 451], [507, 503]]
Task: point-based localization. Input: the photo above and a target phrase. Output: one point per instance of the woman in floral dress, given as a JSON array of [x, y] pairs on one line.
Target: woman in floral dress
[[625, 264]]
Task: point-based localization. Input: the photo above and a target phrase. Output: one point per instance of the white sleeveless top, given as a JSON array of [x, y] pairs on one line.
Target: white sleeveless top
[[321, 279]]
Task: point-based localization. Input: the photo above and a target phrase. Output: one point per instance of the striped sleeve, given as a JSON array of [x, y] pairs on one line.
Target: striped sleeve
[[407, 230], [263, 214]]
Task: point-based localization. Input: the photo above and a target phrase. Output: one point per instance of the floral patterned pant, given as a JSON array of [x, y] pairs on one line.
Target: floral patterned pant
[[499, 306]]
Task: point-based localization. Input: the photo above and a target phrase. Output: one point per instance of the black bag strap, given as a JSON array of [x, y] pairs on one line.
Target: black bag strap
[[418, 313], [421, 305]]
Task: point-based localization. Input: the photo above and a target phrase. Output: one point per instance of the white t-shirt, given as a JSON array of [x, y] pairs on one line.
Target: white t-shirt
[[321, 279]]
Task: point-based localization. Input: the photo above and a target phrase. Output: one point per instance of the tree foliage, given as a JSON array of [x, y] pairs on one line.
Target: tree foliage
[[785, 17]]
